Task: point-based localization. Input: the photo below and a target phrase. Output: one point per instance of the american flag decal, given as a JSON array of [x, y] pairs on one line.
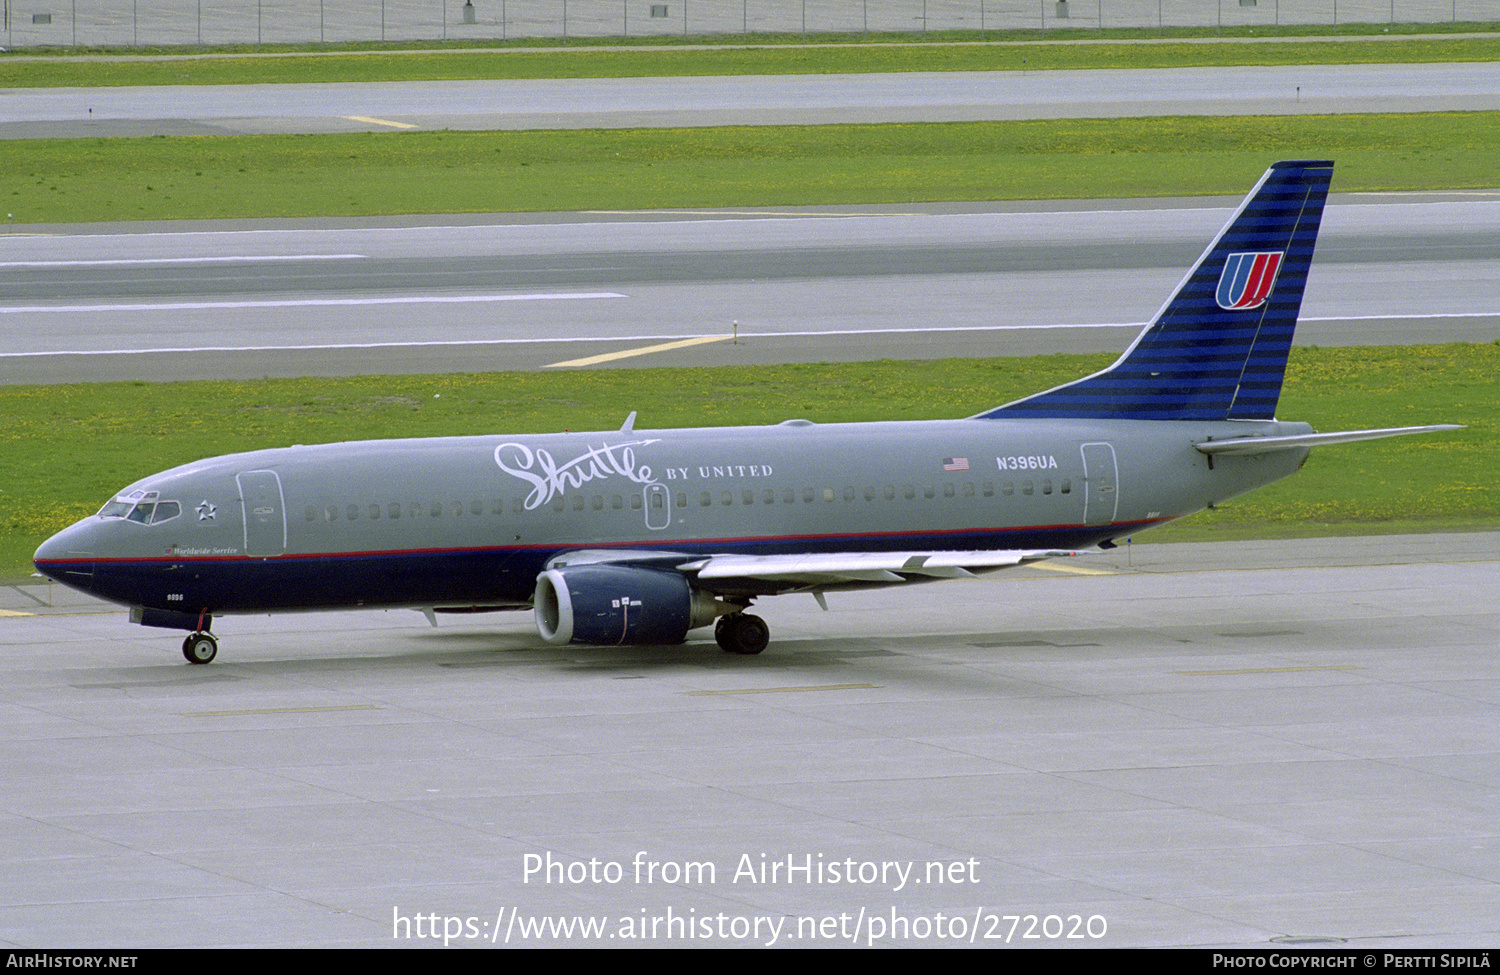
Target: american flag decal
[[955, 463], [1247, 279]]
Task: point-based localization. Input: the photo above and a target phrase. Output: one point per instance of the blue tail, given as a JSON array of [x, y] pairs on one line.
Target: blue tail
[[1217, 350]]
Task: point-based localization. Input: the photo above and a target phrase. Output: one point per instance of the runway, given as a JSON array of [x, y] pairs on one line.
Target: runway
[[245, 299], [1263, 744], [812, 99]]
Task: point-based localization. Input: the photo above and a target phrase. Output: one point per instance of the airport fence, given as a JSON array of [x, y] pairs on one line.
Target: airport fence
[[194, 23]]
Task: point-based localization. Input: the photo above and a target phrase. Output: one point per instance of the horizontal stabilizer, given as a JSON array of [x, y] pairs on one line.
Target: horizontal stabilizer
[[1262, 445]]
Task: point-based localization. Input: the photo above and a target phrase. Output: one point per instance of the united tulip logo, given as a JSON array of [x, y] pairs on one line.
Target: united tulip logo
[[1247, 279]]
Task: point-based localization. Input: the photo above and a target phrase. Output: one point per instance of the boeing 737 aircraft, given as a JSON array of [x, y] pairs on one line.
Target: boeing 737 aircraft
[[641, 536]]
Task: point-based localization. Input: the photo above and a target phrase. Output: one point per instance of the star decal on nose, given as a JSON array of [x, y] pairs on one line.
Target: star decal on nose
[[207, 510]]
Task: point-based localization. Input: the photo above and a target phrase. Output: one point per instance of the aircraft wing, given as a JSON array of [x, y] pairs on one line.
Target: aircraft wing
[[836, 569]]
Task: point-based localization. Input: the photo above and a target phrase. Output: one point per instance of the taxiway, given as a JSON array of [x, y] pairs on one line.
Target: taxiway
[[1231, 745]]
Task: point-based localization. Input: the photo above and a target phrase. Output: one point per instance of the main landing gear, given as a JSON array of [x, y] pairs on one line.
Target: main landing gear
[[742, 633], [200, 647]]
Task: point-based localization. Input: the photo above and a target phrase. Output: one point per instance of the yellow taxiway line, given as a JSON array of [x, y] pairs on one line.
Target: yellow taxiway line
[[643, 350], [377, 121]]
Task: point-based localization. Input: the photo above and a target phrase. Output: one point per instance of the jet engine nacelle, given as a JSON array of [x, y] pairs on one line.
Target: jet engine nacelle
[[618, 605]]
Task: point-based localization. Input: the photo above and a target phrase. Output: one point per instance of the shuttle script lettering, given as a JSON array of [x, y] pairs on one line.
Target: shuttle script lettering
[[548, 478]]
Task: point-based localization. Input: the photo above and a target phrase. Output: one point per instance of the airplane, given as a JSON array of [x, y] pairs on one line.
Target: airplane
[[638, 537]]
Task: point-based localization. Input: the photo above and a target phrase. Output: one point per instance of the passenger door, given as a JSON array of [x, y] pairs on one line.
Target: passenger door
[[265, 512], [1101, 499]]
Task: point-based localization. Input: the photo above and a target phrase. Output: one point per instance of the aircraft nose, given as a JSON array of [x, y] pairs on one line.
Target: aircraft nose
[[67, 555]]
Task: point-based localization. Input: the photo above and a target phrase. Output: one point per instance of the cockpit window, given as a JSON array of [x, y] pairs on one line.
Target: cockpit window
[[141, 507]]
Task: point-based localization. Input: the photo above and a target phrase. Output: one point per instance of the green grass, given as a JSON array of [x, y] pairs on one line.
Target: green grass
[[69, 180], [840, 54], [69, 448]]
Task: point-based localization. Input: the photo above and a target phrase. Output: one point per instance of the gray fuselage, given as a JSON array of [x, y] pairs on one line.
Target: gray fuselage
[[470, 521]]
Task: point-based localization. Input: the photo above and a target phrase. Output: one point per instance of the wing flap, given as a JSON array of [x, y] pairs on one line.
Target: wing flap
[[834, 568]]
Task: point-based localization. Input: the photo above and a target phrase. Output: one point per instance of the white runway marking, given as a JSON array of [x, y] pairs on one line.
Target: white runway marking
[[667, 341], [264, 258], [671, 340], [312, 303]]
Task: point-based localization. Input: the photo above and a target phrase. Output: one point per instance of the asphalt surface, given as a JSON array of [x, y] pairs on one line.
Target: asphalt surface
[[1264, 744], [245, 299], [30, 113]]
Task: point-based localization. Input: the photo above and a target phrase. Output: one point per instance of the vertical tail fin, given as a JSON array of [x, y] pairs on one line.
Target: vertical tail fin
[[1217, 350]]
